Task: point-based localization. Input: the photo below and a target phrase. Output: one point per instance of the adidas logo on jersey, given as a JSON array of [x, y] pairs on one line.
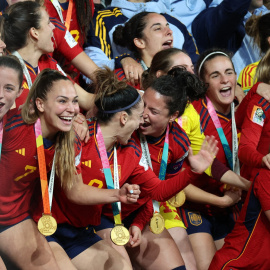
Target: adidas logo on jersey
[[21, 151], [87, 163]]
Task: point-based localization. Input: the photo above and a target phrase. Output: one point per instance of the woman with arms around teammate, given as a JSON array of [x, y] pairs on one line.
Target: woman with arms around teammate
[[46, 119], [112, 119]]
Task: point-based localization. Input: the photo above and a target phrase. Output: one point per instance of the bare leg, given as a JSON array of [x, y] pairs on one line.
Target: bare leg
[[156, 251], [105, 234], [26, 247], [181, 239], [100, 256], [219, 243], [204, 249], [61, 257], [2, 265]]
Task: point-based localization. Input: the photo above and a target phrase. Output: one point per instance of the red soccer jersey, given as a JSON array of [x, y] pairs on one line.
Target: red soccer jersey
[[64, 43], [132, 169], [247, 246], [18, 169], [74, 28], [61, 55], [46, 61], [178, 151], [206, 182], [255, 136]]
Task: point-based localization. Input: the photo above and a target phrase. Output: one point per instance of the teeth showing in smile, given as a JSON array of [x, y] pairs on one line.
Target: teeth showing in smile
[[67, 118], [226, 88]]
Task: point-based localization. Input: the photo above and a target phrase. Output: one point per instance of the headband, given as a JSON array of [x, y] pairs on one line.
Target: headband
[[125, 108], [207, 56]]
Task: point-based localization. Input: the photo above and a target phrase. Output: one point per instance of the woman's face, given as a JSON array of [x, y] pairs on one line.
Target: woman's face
[[45, 33], [59, 109], [221, 78], [156, 114], [9, 89], [133, 122], [157, 34], [2, 47], [182, 60]]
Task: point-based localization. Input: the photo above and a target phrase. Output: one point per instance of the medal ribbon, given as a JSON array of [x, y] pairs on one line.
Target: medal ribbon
[[108, 173], [42, 170], [58, 8], [25, 70], [164, 160], [220, 131], [69, 13], [236, 164]]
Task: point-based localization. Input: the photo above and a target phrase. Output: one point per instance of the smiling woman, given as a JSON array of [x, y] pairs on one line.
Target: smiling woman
[[27, 32]]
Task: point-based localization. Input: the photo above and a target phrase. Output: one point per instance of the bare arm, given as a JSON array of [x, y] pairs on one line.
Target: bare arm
[[86, 100], [85, 65], [87, 195], [235, 180], [267, 213], [197, 195]]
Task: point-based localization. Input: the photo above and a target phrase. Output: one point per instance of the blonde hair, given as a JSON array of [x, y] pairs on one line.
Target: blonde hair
[[64, 145]]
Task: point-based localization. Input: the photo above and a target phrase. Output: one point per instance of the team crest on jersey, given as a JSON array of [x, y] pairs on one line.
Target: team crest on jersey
[[195, 218], [119, 171], [257, 116]]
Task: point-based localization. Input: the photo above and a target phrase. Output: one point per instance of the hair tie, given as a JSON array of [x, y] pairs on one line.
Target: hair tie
[[207, 56]]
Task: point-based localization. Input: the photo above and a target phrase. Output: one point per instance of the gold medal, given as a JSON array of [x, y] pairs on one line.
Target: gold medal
[[47, 225], [120, 235], [178, 200], [157, 223]]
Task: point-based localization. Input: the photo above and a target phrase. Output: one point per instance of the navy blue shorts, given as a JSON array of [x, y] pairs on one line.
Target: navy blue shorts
[[106, 222], [74, 240], [3, 228], [217, 226]]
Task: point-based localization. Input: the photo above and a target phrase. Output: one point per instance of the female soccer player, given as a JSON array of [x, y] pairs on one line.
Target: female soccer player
[[255, 132], [245, 246], [27, 32], [207, 224], [67, 51], [112, 119], [46, 118]]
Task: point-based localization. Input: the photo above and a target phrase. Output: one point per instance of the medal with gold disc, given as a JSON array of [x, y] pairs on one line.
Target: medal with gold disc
[[119, 234], [178, 200], [157, 223], [47, 224]]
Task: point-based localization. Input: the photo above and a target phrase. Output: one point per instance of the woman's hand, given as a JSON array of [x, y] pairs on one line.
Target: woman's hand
[[81, 127], [231, 197], [135, 236], [133, 70], [200, 162], [129, 193]]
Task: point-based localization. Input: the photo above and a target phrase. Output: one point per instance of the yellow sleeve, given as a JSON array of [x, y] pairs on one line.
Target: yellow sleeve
[[247, 76], [192, 126]]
